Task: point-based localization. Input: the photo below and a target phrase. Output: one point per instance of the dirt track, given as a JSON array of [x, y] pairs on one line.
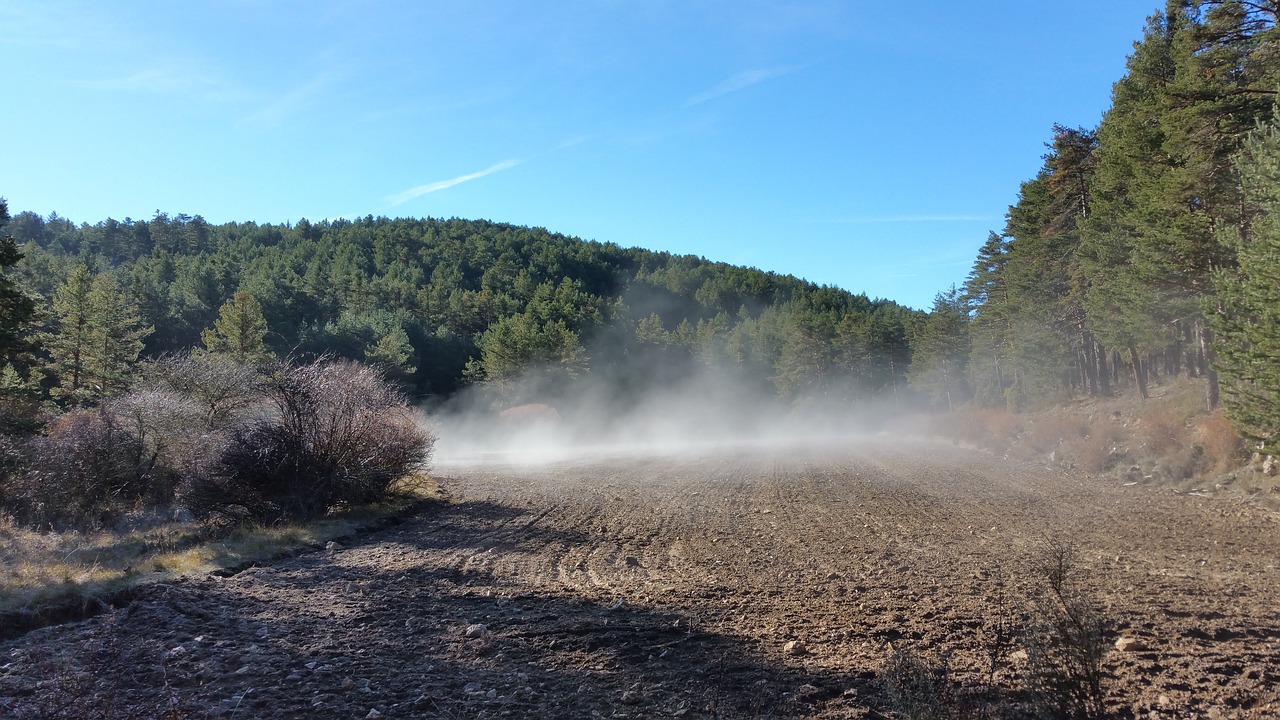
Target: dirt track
[[669, 587]]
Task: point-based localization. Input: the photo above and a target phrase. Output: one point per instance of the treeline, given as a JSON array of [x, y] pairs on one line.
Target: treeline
[[1147, 247], [441, 304]]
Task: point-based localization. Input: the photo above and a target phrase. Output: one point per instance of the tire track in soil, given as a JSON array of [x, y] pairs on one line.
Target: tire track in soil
[[668, 586]]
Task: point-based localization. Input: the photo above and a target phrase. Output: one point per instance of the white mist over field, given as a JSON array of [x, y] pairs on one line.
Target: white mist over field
[[532, 424]]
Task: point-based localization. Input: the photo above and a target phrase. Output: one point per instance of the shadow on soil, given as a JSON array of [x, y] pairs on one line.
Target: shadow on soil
[[320, 635]]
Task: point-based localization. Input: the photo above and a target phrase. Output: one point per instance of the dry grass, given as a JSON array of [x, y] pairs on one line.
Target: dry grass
[[1162, 434], [983, 427], [1052, 431], [1169, 438], [1223, 448], [40, 568]]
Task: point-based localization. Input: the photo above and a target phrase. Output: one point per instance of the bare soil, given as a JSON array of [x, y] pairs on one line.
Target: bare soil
[[670, 586]]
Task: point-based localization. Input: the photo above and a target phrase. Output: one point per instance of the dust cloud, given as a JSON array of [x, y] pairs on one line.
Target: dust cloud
[[544, 418]]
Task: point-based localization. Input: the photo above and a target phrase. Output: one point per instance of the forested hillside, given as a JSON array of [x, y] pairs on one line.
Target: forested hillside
[[444, 303], [1145, 248]]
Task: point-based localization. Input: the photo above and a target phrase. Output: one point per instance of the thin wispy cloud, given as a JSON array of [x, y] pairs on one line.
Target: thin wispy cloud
[[420, 190], [740, 81], [290, 103], [171, 80], [889, 219], [45, 24]]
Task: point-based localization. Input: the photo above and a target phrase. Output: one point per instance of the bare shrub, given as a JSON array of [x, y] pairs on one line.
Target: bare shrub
[[86, 471], [1000, 428], [1094, 454], [1065, 637], [12, 463], [164, 422], [224, 390], [918, 690], [337, 434]]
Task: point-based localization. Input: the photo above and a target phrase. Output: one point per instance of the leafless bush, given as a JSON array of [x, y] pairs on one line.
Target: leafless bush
[[1065, 637], [224, 390], [12, 463], [164, 422], [337, 433], [918, 690], [87, 470]]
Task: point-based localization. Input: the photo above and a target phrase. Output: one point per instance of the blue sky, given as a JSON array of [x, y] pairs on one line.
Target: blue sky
[[868, 145]]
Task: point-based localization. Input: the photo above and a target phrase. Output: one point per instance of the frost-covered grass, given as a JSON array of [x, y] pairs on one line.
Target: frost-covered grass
[[40, 568]]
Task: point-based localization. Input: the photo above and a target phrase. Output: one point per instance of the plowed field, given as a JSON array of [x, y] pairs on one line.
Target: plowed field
[[670, 586]]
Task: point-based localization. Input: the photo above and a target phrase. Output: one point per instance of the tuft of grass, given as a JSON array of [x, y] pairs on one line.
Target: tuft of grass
[[40, 569]]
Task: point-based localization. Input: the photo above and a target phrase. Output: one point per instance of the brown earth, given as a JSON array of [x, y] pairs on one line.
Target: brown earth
[[670, 587]]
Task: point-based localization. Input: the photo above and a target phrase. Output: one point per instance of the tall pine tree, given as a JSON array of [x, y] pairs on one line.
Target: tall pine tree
[[1248, 323], [97, 339]]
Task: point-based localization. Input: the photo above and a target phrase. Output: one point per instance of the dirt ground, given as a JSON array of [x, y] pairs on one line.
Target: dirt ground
[[646, 586]]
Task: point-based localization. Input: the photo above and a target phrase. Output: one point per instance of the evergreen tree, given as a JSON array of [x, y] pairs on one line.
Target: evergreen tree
[[805, 368], [19, 390], [98, 337], [117, 337], [239, 332], [1248, 325], [1202, 77], [17, 308], [991, 328], [70, 344], [394, 353], [519, 344], [940, 352]]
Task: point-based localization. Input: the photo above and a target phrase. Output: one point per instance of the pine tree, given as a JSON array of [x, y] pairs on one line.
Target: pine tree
[[1202, 77], [519, 344], [19, 390], [98, 337], [116, 337], [69, 344], [394, 354], [940, 352], [240, 331], [17, 308], [1248, 326], [991, 327]]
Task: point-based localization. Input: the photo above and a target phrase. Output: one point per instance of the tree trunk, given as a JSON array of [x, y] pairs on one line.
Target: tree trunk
[[1138, 376], [1212, 393], [1102, 372], [1089, 364]]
